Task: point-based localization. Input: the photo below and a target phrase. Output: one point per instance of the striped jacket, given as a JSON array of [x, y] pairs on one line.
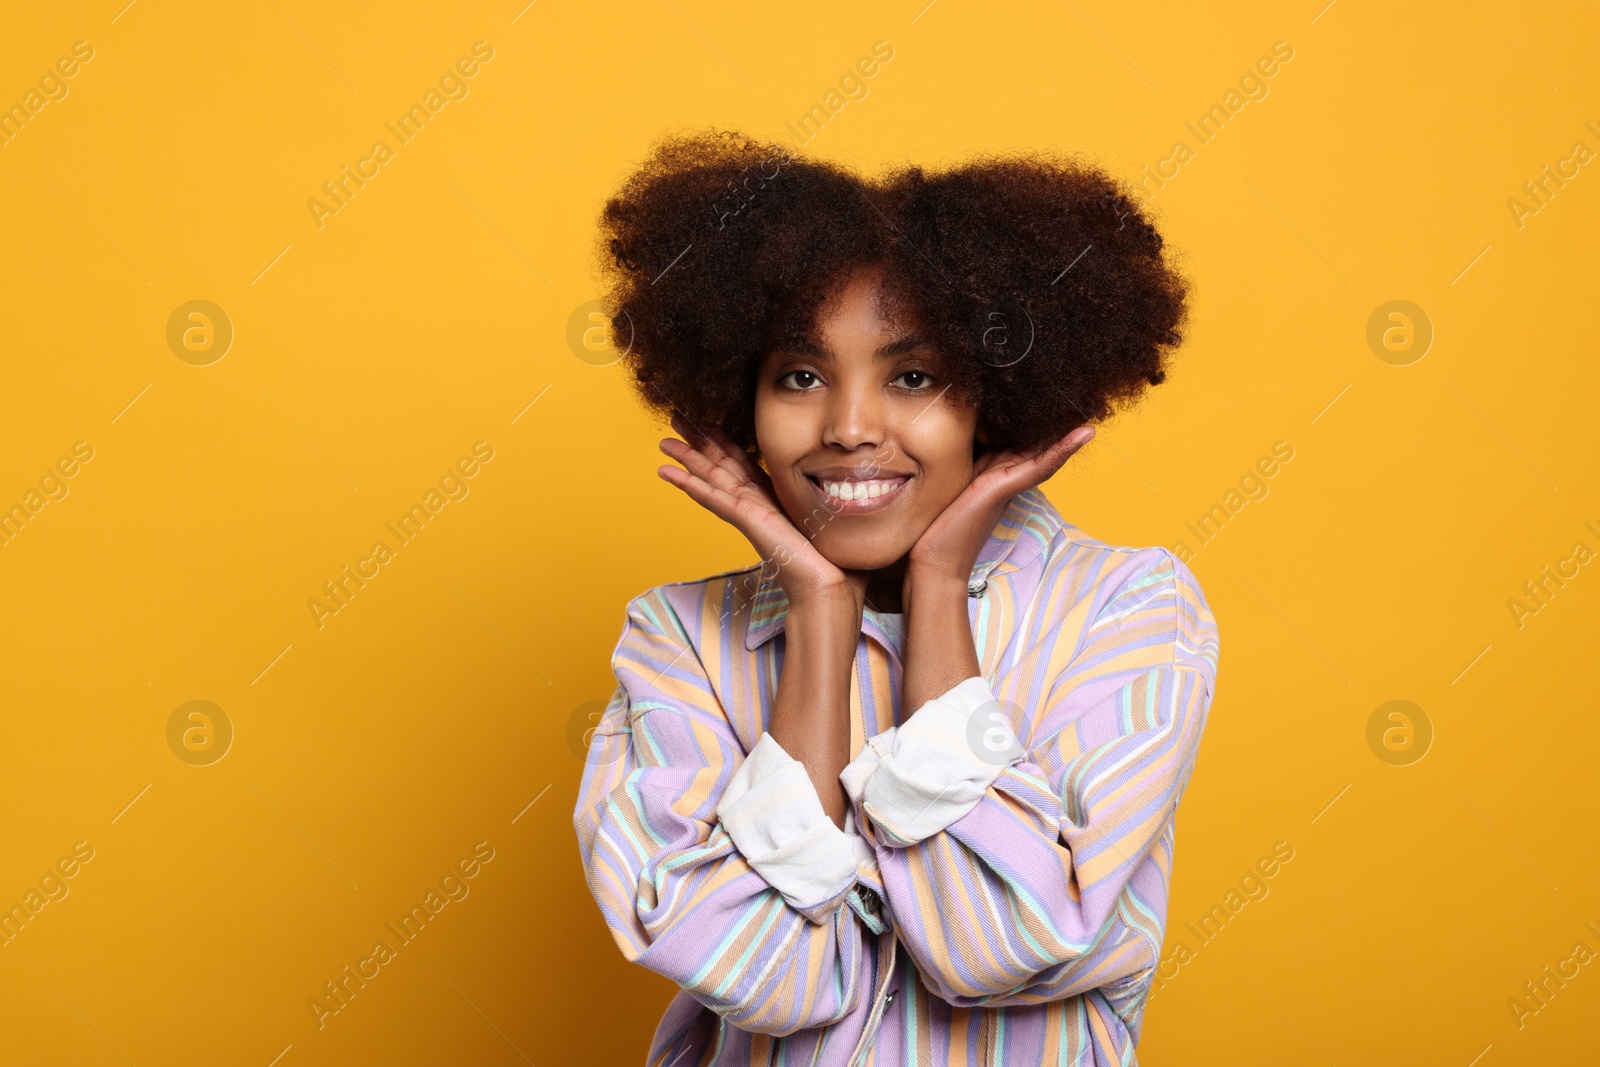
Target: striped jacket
[[999, 893]]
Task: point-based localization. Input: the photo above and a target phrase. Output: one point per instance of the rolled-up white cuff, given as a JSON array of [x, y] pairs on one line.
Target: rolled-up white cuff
[[915, 779], [773, 813]]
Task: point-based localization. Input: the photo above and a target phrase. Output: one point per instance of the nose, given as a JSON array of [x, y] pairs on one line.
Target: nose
[[857, 417]]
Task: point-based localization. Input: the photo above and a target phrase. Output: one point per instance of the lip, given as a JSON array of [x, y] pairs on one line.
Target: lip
[[865, 506]]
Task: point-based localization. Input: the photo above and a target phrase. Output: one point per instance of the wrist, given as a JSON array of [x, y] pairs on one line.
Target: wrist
[[931, 584], [825, 613], [839, 597]]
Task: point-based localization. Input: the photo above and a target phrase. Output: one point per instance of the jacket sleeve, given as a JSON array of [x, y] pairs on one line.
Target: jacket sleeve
[[1024, 871], [717, 869]]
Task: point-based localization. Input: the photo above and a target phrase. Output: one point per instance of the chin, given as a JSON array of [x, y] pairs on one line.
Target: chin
[[863, 553]]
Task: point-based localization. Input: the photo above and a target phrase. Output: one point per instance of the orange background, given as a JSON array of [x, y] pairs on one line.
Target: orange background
[[435, 710]]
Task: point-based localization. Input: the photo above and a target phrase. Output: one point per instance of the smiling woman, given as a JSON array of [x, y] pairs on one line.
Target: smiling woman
[[906, 788]]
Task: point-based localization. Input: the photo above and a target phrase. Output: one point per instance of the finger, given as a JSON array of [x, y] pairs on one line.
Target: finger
[[714, 443], [1057, 452], [722, 450], [686, 429], [704, 467], [1042, 466], [717, 501], [764, 528], [1009, 473]]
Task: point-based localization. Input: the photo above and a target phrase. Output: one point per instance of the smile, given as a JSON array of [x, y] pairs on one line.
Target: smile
[[859, 495]]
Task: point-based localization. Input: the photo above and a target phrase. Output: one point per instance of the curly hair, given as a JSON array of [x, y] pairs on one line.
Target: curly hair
[[1039, 280]]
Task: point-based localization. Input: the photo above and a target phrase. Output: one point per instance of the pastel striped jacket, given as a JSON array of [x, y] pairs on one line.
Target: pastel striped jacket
[[999, 893]]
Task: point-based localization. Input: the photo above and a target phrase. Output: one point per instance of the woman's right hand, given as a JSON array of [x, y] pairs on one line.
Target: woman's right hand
[[722, 478]]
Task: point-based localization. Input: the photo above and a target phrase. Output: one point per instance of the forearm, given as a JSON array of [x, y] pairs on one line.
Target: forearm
[[940, 652], [811, 715]]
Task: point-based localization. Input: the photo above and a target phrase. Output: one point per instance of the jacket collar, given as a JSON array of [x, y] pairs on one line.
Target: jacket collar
[[1025, 529]]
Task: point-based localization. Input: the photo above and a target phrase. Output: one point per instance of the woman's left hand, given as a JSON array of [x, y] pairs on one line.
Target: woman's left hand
[[949, 548]]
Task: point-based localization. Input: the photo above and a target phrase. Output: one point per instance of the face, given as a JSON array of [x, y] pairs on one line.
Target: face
[[864, 442]]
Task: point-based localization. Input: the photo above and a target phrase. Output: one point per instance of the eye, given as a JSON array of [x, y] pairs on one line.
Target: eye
[[799, 380], [915, 380]]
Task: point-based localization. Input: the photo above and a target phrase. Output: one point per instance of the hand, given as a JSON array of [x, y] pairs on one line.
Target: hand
[[949, 548], [938, 635], [722, 478]]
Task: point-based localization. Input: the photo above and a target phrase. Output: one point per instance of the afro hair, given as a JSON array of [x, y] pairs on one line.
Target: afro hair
[[1038, 279]]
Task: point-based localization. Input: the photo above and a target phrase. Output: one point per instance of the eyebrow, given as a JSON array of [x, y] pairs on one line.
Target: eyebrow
[[810, 346]]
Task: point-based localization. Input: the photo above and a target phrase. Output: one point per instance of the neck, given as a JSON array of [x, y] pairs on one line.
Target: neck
[[882, 587]]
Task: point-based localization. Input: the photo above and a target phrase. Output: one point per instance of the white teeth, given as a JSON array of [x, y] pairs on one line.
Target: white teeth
[[860, 490]]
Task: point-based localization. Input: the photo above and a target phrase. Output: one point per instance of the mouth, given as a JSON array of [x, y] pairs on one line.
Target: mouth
[[849, 494]]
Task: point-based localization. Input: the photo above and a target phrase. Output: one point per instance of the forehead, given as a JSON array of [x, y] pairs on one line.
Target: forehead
[[857, 310]]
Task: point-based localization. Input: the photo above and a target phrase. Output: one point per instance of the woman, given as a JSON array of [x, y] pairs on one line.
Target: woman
[[903, 792]]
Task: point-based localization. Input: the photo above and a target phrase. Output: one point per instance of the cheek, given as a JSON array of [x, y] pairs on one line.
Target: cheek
[[784, 436], [942, 446], [784, 431]]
